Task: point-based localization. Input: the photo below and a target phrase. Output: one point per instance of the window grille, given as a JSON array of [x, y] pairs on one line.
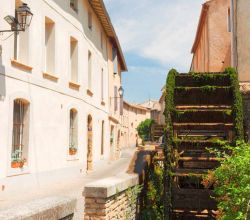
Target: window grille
[[18, 127], [72, 128], [73, 132]]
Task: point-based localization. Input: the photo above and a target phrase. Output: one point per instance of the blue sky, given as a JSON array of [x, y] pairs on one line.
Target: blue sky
[[155, 35]]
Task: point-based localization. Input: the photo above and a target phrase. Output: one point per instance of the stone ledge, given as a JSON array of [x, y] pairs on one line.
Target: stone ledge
[[51, 208], [108, 187]]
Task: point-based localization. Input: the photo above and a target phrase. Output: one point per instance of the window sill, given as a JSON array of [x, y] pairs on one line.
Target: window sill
[[50, 76], [72, 157], [90, 93], [74, 85], [21, 66], [18, 171]]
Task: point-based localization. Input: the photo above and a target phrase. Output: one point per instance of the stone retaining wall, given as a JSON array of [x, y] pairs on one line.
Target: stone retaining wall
[[51, 208], [112, 199]]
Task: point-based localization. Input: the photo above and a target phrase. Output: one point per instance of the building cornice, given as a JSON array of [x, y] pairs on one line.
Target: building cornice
[[202, 20]]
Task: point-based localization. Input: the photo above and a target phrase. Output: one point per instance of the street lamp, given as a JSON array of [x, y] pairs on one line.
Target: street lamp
[[121, 93], [21, 21]]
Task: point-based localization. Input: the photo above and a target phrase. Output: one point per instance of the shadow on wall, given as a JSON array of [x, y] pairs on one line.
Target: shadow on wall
[[2, 77]]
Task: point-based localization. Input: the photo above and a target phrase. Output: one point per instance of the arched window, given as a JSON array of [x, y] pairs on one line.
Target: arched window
[[73, 132], [20, 133]]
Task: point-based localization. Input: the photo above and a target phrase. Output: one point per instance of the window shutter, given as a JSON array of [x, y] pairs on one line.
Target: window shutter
[[115, 60]]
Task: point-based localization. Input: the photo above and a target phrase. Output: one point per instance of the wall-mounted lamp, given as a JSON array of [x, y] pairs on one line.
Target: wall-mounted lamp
[[21, 20], [121, 91]]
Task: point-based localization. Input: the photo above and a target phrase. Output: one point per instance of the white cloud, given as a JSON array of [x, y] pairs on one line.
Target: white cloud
[[162, 30]]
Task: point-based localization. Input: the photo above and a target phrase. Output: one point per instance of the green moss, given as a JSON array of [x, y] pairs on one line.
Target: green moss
[[204, 89], [207, 76], [192, 114]]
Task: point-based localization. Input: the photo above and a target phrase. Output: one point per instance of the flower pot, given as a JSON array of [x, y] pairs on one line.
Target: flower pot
[[17, 164], [21, 164], [72, 151], [14, 164]]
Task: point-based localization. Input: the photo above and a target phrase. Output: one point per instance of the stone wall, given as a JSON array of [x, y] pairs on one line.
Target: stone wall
[[50, 208], [112, 199], [246, 100]]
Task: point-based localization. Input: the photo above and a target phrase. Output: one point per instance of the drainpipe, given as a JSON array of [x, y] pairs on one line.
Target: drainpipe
[[233, 36]]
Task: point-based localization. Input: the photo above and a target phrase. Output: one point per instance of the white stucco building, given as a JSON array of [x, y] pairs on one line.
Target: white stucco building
[[133, 115], [56, 82]]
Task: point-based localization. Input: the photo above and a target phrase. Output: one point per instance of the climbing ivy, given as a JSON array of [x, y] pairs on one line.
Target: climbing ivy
[[237, 108], [168, 149], [154, 194]]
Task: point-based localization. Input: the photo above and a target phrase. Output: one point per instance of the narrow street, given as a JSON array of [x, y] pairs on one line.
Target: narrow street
[[72, 188]]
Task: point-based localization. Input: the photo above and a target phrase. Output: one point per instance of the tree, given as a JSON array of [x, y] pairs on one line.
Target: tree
[[144, 129]]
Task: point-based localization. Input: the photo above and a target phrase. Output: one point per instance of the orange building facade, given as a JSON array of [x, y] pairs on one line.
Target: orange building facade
[[212, 46]]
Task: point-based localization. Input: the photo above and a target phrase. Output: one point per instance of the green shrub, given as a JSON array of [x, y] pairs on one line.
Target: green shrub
[[144, 129], [232, 183]]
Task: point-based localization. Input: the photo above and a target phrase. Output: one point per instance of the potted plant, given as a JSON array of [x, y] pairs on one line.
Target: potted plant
[[72, 149], [16, 160]]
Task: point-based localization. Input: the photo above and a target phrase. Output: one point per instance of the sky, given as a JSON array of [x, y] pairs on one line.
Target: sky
[[156, 36]]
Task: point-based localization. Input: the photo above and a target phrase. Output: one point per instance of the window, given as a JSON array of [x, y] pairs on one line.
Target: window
[[121, 105], [101, 40], [102, 85], [229, 23], [74, 59], [102, 139], [73, 132], [90, 20], [116, 98], [49, 46], [20, 133], [21, 42], [74, 5], [89, 70], [115, 60]]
